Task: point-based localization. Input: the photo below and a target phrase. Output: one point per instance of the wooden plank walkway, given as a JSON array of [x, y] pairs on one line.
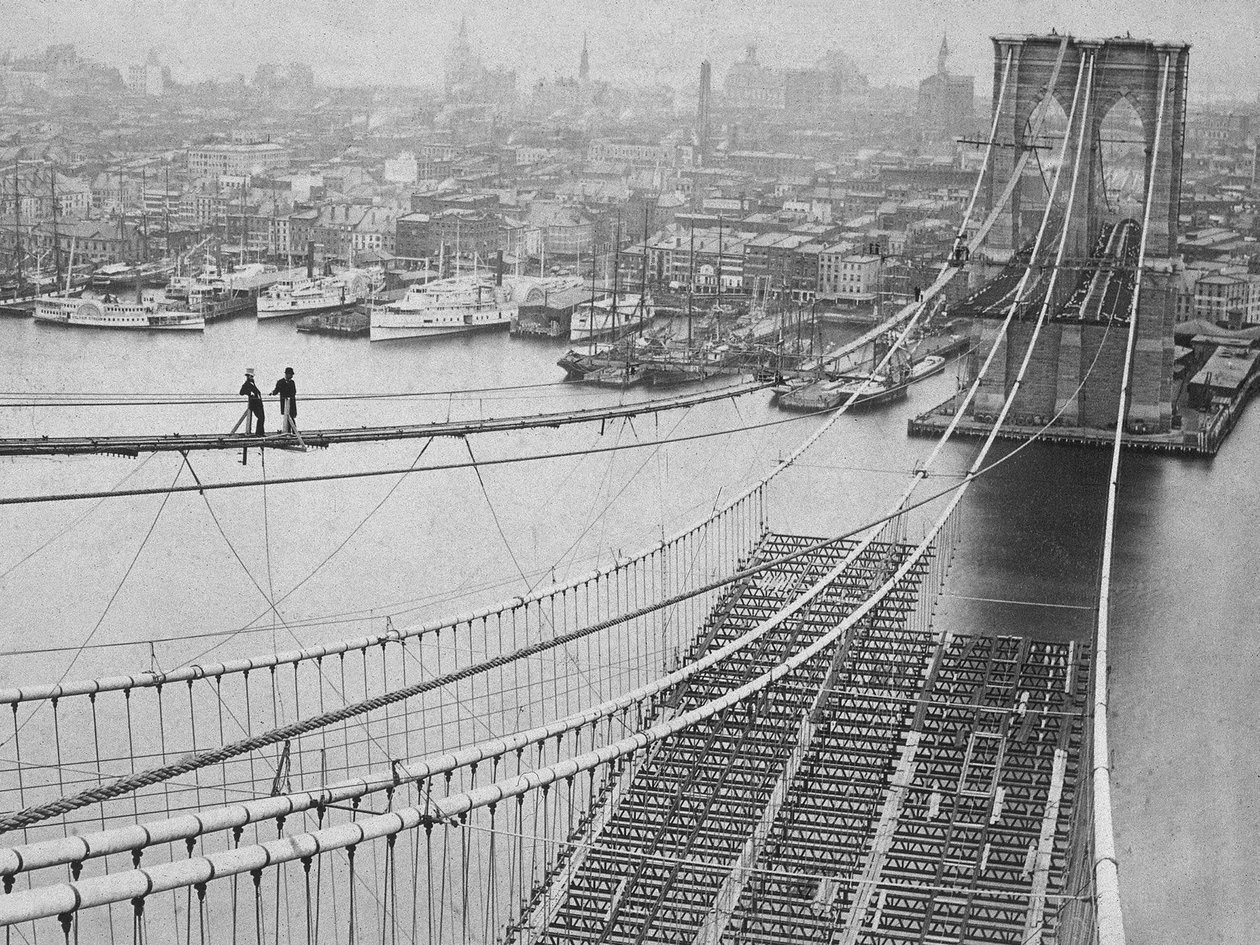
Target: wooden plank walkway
[[177, 442]]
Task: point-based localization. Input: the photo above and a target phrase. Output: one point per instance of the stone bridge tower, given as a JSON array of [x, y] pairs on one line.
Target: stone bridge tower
[[1140, 72]]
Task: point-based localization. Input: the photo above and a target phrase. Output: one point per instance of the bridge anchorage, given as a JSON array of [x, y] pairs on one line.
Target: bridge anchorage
[[737, 735]]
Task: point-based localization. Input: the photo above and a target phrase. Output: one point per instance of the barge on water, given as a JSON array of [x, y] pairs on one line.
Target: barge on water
[[865, 389], [340, 324]]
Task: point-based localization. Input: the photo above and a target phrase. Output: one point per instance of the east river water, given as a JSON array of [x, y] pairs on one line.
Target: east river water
[[160, 581]]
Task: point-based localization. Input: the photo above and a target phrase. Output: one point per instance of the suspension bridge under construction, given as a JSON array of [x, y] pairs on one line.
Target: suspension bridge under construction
[[735, 735]]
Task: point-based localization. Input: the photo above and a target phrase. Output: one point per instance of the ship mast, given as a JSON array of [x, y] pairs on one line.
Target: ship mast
[[643, 276], [166, 206], [590, 322], [691, 275], [144, 214], [52, 189], [17, 221], [616, 277], [243, 224], [122, 219], [717, 307], [273, 243]]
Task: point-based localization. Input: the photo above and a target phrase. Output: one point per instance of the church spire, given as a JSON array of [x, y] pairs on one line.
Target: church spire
[[584, 70], [942, 56]]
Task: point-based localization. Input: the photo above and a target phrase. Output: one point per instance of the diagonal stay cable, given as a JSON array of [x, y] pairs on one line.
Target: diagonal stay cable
[[332, 554], [231, 547], [494, 515], [583, 674]]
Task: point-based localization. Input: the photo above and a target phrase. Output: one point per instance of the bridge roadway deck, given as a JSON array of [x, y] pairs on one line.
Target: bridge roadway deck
[[897, 790], [133, 445]]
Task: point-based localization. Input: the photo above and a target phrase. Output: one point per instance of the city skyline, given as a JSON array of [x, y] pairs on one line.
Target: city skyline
[[374, 43]]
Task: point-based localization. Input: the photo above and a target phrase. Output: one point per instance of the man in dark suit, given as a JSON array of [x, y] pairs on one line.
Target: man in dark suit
[[288, 401]]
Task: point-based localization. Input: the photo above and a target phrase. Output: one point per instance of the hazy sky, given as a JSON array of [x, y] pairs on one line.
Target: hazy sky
[[395, 40]]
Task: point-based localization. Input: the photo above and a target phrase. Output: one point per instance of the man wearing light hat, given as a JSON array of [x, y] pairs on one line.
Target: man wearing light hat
[[288, 401], [250, 389]]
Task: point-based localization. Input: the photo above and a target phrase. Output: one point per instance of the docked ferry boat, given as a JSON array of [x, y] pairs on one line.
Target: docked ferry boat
[[111, 313], [318, 294], [446, 307]]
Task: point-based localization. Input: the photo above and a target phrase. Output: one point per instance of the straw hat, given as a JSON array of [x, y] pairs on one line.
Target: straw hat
[[249, 372]]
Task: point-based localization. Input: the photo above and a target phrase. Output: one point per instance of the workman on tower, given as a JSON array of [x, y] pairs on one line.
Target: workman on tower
[[288, 401]]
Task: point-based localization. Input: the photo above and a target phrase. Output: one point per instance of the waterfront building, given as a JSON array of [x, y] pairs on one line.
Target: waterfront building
[[342, 230], [830, 268], [775, 260], [559, 229], [679, 254], [427, 235], [1226, 296], [847, 277], [98, 241]]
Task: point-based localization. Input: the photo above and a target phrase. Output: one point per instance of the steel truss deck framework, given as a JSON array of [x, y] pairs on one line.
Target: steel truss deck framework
[[900, 789]]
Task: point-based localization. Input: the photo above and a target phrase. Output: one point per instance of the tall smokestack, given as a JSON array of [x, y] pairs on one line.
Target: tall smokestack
[[703, 126], [310, 259], [498, 268]]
